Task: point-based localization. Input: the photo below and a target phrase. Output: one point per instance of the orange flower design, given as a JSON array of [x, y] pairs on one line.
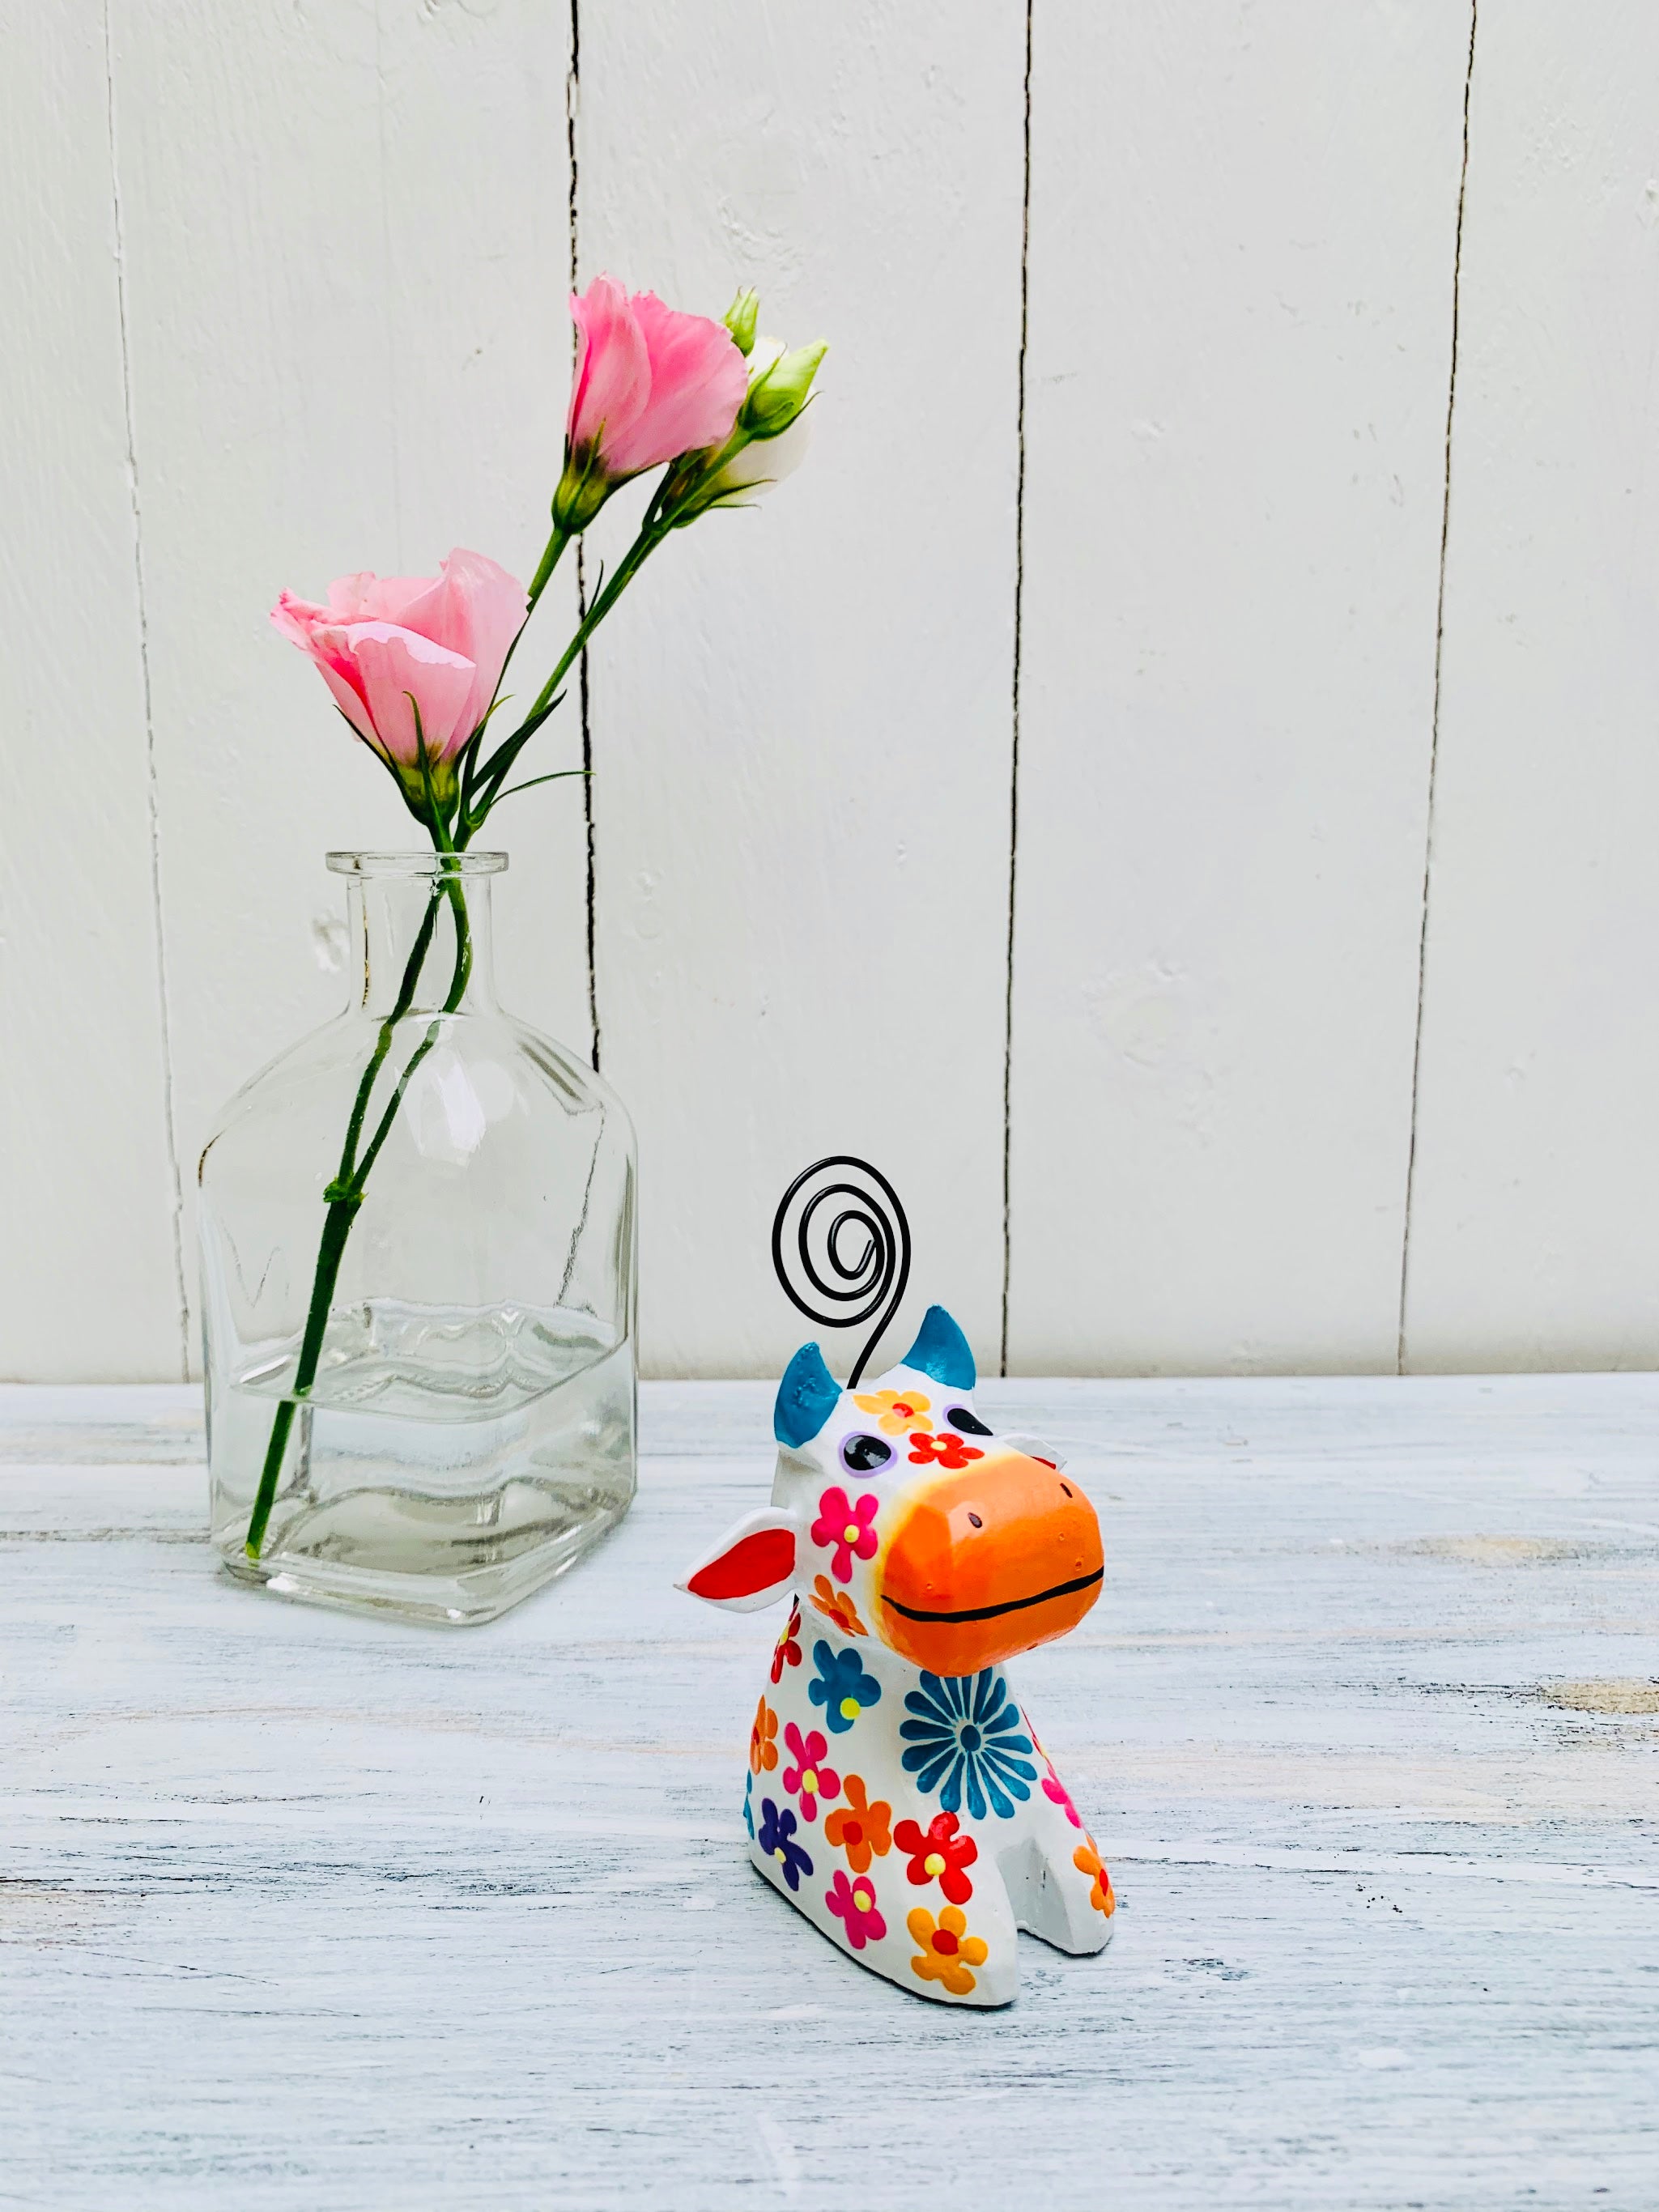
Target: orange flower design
[[1087, 1860], [947, 1950], [763, 1750], [894, 1409], [859, 1827], [837, 1606]]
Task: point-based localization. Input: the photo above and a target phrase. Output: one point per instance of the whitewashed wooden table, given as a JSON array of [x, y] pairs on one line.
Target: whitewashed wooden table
[[300, 1911]]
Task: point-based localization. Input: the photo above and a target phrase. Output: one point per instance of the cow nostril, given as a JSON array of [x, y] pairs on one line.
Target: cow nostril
[[1067, 1487], [975, 1518]]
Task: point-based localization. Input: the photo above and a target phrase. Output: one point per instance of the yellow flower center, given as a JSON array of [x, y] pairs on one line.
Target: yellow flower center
[[851, 1533], [849, 1709], [934, 1863], [863, 1899], [809, 1782], [778, 1855]]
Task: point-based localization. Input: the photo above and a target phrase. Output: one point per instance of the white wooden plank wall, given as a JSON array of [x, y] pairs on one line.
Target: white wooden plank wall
[[1240, 337], [802, 738], [90, 1286], [1536, 1198], [1166, 464]]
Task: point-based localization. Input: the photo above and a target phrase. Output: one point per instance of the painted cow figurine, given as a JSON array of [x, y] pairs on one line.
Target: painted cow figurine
[[896, 1794]]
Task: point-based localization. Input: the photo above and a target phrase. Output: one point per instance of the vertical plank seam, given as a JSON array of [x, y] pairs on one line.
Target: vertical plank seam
[[572, 95], [1014, 701], [1434, 729], [152, 790], [388, 290]]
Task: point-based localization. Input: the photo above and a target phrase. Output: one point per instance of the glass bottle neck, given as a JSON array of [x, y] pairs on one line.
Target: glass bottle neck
[[422, 943]]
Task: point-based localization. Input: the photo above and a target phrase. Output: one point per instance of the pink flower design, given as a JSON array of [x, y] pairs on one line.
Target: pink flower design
[[649, 385], [1055, 1789], [853, 1904], [385, 645], [809, 1778], [847, 1526]]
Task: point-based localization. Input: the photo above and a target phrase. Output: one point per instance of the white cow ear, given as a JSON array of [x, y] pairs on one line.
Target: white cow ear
[[753, 1564], [1034, 1448]]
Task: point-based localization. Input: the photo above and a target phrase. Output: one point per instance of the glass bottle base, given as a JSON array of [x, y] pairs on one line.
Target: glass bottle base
[[450, 1462], [496, 1547]]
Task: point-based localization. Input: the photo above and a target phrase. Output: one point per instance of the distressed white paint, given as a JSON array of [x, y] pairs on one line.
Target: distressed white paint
[[1535, 1220], [341, 1916], [347, 239], [89, 1286], [1240, 333]]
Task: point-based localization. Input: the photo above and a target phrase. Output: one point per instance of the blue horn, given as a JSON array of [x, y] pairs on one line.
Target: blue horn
[[807, 1396], [940, 1351]]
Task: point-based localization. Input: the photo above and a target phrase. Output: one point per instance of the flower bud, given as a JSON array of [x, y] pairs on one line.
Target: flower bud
[[778, 391], [741, 318], [757, 466]]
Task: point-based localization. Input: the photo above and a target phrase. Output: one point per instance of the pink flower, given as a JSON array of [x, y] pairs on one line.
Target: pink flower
[[649, 384], [854, 1902], [809, 1778], [388, 644], [846, 1526]]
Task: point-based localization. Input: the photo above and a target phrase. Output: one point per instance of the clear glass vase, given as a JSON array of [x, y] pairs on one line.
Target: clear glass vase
[[417, 1243]]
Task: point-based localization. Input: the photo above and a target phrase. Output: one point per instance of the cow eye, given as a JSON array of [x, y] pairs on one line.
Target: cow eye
[[863, 1454], [965, 1424]]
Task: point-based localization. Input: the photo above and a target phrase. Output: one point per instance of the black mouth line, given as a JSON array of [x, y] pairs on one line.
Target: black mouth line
[[990, 1612]]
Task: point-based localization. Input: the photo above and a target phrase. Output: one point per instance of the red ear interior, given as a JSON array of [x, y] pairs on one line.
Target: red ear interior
[[753, 1564]]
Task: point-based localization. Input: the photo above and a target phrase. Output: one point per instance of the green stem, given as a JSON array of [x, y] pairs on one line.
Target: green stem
[[344, 1194], [550, 562], [652, 534], [552, 553]]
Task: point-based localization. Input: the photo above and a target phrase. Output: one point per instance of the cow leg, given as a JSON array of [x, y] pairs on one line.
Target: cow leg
[[1056, 1890]]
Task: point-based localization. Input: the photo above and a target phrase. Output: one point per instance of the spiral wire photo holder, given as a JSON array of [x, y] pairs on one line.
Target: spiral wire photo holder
[[872, 1280]]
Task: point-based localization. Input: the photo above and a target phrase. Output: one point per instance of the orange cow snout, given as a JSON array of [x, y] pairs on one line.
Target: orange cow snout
[[988, 1563]]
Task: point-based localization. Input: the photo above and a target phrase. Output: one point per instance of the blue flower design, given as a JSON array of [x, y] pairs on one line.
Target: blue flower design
[[967, 1729], [843, 1688], [749, 1805], [776, 1832]]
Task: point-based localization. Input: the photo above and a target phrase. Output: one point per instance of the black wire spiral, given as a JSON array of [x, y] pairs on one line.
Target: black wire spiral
[[872, 1281]]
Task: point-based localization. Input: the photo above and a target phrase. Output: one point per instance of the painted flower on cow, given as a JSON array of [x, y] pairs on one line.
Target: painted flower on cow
[[947, 1950], [1087, 1860], [964, 1732], [938, 1853], [895, 1410], [837, 1606], [1057, 1793], [786, 1651], [777, 1839], [853, 1904], [763, 1750], [412, 661], [809, 1778], [650, 384], [749, 1804], [858, 1827], [945, 1449], [846, 1528], [843, 1687]]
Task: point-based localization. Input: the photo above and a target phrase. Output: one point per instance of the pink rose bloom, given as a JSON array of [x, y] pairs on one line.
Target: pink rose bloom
[[649, 384], [440, 642]]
